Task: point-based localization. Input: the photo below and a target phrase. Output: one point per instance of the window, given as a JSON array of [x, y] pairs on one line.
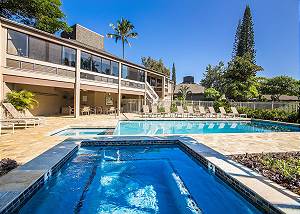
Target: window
[[124, 71], [132, 73], [141, 76], [69, 56], [115, 68], [86, 61], [37, 49], [17, 43], [96, 64], [55, 53], [105, 66]]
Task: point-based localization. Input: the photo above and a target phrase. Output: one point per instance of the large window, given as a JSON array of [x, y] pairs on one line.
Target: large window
[[28, 46], [124, 71], [86, 61], [96, 64], [69, 56], [105, 66], [55, 53], [17, 43], [115, 68], [37, 49], [133, 73]]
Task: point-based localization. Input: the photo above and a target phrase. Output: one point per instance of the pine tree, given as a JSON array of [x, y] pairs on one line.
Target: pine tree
[[246, 42], [174, 75], [236, 39]]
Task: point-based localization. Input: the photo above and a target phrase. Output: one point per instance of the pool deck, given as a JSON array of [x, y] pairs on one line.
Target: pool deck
[[27, 144]]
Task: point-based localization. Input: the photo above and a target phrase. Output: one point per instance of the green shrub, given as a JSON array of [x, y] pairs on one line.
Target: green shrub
[[173, 108], [222, 103], [266, 114], [161, 109]]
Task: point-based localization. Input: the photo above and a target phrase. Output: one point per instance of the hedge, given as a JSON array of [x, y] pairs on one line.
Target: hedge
[[275, 114]]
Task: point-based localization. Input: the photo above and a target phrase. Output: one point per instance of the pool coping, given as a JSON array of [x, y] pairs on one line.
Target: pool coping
[[17, 187]]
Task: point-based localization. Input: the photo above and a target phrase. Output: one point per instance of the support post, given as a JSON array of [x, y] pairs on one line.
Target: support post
[[145, 93], [163, 88], [77, 86], [119, 88], [3, 39]]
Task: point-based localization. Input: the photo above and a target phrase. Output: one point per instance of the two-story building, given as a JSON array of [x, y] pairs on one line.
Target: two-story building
[[72, 70]]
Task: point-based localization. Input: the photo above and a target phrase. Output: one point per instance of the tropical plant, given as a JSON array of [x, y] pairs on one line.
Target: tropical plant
[[123, 31], [184, 91], [155, 65], [21, 100], [44, 15]]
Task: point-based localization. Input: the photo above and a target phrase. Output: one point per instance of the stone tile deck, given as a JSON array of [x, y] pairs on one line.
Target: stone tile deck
[[25, 145]]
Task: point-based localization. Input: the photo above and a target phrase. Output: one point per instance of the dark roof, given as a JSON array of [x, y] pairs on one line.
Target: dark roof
[[194, 88], [78, 44], [282, 98]]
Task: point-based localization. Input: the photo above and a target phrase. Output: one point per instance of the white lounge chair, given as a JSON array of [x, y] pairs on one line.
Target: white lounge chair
[[202, 111], [20, 119], [236, 113], [190, 110], [212, 112], [179, 111], [223, 112], [154, 111], [146, 111]]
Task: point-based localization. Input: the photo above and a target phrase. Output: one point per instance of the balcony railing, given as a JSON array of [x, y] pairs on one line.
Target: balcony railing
[[38, 68]]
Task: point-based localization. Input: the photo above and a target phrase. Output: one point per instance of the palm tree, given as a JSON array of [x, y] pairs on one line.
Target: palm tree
[[123, 31], [184, 91]]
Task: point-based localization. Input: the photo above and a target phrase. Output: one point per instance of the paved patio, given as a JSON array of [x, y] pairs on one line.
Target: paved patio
[[27, 144]]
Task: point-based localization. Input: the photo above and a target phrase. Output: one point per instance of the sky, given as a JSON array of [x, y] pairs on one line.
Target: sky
[[195, 33]]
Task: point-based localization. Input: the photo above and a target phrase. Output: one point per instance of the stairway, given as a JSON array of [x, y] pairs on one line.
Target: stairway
[[151, 95]]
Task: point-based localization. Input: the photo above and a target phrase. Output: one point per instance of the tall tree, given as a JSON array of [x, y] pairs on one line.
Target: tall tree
[[155, 65], [174, 76], [44, 15], [236, 39], [213, 77], [245, 41], [123, 31]]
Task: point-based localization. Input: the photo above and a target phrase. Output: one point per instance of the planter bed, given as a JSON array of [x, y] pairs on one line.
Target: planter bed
[[282, 168]]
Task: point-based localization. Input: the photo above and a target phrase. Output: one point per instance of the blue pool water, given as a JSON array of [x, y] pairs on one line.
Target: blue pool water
[[153, 179], [198, 127], [83, 131]]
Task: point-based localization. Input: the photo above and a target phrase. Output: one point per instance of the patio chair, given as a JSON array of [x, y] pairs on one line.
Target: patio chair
[[146, 111], [212, 112], [236, 113], [112, 110], [6, 125], [167, 111], [154, 111], [202, 111], [223, 112], [180, 111], [85, 110], [19, 118], [191, 112]]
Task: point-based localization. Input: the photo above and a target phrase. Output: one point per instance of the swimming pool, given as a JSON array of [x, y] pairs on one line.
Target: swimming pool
[[72, 132], [135, 179], [155, 127]]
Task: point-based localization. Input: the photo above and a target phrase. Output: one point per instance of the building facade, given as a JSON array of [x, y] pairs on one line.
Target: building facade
[[67, 72], [196, 91]]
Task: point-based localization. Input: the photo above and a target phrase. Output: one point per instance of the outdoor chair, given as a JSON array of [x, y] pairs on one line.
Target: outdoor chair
[[223, 112], [7, 125], [18, 118], [85, 110], [191, 112], [154, 111], [212, 112], [167, 111], [236, 113], [180, 111], [202, 111], [146, 111], [112, 110]]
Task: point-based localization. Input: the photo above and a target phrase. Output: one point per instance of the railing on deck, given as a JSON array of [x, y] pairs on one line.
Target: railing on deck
[[151, 93]]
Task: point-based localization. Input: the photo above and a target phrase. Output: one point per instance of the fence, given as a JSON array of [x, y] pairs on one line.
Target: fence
[[135, 105]]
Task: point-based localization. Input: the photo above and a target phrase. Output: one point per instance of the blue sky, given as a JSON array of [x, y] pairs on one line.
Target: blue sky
[[195, 33]]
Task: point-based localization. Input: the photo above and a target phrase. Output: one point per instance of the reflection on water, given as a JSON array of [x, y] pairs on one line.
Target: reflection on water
[[198, 127]]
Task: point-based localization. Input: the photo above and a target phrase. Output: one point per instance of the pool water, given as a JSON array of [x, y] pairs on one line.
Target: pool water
[[84, 131], [198, 127], [135, 179]]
